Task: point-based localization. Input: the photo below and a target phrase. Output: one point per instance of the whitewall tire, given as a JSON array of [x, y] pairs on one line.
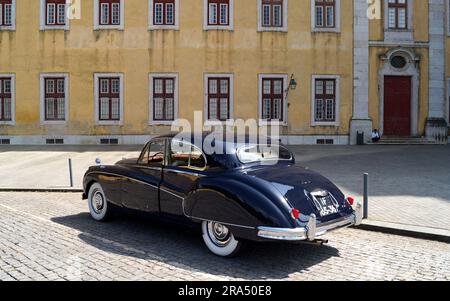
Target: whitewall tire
[[98, 204], [219, 239]]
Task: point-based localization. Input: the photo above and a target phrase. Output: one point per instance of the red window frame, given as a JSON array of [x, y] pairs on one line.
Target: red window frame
[[57, 96], [56, 3], [3, 96], [397, 6], [219, 12], [325, 4], [3, 4], [218, 96], [110, 10], [165, 96], [164, 12], [324, 97], [272, 96], [110, 95], [272, 3]]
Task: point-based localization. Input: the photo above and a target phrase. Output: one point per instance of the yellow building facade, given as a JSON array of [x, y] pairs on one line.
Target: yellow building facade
[[87, 70]]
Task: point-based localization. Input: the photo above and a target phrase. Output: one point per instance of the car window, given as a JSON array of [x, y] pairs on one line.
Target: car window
[[143, 158], [186, 155], [258, 153], [153, 154], [156, 153], [197, 158]]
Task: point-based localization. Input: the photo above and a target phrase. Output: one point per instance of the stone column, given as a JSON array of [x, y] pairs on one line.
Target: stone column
[[436, 126], [360, 121]]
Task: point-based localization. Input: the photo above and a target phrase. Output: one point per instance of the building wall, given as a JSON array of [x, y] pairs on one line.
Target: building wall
[[190, 52], [447, 62], [379, 46], [375, 88]]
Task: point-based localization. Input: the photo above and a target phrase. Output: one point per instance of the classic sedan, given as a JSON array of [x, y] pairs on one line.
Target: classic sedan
[[246, 192]]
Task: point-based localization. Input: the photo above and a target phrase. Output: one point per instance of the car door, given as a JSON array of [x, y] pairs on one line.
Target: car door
[[185, 164], [141, 190]]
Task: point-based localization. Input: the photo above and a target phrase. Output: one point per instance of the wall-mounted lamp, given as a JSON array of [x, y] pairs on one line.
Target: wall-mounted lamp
[[292, 86], [292, 83]]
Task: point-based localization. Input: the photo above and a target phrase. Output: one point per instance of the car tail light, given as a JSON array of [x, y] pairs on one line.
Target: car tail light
[[295, 213], [351, 200]]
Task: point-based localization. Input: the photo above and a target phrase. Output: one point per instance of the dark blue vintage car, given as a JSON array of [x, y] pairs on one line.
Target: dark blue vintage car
[[245, 193]]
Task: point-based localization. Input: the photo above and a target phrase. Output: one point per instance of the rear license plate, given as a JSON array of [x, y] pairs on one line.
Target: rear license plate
[[326, 206]]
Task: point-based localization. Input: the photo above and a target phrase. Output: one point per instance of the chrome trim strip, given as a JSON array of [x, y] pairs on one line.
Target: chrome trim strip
[[171, 193], [148, 167], [117, 175], [183, 172], [308, 232]]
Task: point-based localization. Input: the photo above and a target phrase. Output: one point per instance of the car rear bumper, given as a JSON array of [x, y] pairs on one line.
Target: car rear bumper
[[311, 230]]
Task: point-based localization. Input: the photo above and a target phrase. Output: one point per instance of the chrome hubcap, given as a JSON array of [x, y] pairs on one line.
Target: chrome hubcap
[[219, 234], [97, 202]]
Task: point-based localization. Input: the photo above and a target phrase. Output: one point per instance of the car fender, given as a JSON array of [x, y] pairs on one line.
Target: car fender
[[234, 201]]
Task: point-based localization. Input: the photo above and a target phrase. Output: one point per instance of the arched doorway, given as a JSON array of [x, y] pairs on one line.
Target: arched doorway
[[399, 93]]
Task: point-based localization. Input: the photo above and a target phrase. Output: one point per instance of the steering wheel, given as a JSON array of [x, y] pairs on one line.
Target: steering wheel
[[155, 155]]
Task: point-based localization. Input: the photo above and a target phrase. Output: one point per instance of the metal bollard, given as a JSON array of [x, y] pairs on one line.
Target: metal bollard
[[70, 173], [366, 196]]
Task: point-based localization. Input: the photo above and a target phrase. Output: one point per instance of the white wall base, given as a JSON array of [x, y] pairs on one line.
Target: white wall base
[[360, 125], [142, 139], [312, 140], [77, 140]]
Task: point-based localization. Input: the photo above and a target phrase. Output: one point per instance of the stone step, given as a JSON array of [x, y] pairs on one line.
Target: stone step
[[405, 141]]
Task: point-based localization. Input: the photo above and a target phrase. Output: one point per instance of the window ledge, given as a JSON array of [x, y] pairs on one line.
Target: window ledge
[[331, 123], [11, 122], [8, 28], [109, 27], [262, 122], [163, 27], [109, 123], [329, 30], [272, 29], [161, 122], [55, 122], [229, 122], [219, 28], [54, 27]]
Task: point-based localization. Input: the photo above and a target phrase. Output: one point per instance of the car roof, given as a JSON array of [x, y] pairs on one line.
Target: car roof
[[228, 158]]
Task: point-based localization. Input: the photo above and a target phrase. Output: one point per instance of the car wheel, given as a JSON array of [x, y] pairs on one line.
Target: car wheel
[[98, 205], [219, 239]]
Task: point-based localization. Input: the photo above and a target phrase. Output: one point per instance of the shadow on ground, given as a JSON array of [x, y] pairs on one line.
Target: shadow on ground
[[183, 247]]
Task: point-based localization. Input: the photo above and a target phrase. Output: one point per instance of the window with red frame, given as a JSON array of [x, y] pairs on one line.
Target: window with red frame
[[5, 12], [109, 98], [55, 12], [218, 99], [325, 100], [272, 99], [109, 11], [163, 99], [5, 98], [325, 13], [272, 13], [164, 12], [218, 12], [398, 14], [55, 98]]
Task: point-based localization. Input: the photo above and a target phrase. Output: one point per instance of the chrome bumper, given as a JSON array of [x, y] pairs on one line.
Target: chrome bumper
[[311, 231]]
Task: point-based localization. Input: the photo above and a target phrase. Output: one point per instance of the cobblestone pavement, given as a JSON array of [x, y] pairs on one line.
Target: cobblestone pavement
[[408, 184], [51, 237]]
